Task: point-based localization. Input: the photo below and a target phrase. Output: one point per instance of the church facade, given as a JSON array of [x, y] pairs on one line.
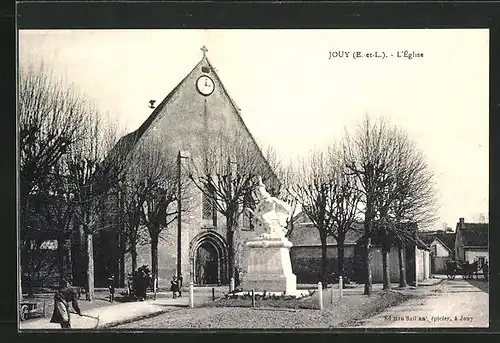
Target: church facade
[[198, 106]]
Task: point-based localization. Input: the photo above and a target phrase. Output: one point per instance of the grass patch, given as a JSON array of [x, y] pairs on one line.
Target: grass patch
[[265, 301]]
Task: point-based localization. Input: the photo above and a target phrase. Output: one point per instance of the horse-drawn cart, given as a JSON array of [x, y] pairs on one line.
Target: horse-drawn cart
[[465, 269]]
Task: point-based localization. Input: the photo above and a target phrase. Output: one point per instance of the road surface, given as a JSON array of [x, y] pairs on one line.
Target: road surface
[[452, 303]]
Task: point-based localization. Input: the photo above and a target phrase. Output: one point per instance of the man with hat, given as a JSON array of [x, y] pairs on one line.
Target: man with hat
[[62, 298]]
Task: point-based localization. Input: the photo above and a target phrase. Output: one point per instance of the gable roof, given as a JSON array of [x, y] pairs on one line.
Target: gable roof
[[126, 143], [446, 239], [475, 234]]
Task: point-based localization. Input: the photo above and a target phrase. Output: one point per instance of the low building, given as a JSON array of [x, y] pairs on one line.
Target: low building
[[306, 256], [442, 246], [471, 242], [305, 253]]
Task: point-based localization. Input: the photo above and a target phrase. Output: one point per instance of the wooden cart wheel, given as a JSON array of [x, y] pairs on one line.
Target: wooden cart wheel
[[24, 312]]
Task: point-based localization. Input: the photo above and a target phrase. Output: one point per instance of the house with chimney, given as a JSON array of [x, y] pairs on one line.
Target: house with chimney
[[471, 242]]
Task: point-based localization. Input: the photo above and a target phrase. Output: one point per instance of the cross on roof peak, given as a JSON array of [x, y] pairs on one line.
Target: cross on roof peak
[[204, 49]]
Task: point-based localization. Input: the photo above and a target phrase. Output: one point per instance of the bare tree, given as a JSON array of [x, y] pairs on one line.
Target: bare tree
[[51, 115], [328, 198], [397, 189], [345, 209], [51, 120], [316, 194], [414, 199], [481, 217], [153, 180], [58, 211], [226, 174], [92, 179], [131, 205], [368, 157]]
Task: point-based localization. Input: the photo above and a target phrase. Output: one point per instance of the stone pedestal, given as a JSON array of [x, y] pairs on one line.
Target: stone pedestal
[[268, 266]]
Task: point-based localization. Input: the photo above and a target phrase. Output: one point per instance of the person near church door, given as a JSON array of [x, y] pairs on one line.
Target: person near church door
[[174, 287]]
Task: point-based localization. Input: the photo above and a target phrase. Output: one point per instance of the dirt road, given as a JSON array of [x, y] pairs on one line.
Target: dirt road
[[453, 303]]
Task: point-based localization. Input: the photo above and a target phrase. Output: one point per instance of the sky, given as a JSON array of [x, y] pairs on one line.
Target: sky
[[295, 97]]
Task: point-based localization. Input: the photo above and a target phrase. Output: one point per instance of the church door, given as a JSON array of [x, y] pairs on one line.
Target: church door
[[207, 263]]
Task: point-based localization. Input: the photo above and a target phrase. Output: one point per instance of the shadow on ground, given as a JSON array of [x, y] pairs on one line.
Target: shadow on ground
[[481, 284]]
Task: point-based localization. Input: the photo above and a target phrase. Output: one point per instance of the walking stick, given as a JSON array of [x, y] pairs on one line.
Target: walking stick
[[97, 318], [86, 315]]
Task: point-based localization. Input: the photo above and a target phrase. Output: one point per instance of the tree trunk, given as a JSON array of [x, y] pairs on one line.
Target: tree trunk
[[367, 267], [230, 253], [230, 246], [368, 247], [386, 268], [402, 269], [324, 260], [133, 253], [341, 256], [60, 257], [90, 266], [154, 256], [121, 259]]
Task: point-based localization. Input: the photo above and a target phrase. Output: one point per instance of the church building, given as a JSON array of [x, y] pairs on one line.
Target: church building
[[198, 106]]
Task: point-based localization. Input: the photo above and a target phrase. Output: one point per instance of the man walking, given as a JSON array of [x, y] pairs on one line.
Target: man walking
[[62, 298], [111, 287]]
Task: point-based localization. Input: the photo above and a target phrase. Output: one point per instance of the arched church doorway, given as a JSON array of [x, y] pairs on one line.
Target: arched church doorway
[[207, 261], [208, 255]]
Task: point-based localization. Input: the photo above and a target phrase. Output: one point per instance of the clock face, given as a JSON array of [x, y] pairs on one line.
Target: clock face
[[205, 85]]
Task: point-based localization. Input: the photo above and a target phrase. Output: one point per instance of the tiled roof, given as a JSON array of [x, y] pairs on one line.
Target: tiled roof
[[126, 143], [305, 233], [448, 239], [475, 235]]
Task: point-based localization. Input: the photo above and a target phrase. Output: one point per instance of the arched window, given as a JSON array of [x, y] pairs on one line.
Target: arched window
[[209, 213]]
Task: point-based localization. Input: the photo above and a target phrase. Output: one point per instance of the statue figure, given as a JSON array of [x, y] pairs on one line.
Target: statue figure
[[270, 214]]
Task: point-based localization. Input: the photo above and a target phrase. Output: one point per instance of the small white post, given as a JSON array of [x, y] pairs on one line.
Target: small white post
[[231, 285], [341, 287], [191, 294], [332, 294], [155, 286], [320, 295]]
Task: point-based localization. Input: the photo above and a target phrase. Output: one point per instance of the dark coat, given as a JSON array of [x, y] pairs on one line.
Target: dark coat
[[174, 286], [64, 296]]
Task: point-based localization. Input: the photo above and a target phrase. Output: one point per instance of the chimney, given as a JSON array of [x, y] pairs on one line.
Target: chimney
[[461, 223]]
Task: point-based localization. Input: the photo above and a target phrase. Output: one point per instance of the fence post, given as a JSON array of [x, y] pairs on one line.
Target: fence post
[[155, 286], [213, 294], [331, 293], [341, 287], [253, 297], [231, 285], [320, 295], [191, 294]]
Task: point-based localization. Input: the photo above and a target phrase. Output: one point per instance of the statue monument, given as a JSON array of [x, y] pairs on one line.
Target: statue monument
[[268, 253]]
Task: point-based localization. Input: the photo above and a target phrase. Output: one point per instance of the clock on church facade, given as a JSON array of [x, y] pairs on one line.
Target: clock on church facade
[[205, 85]]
